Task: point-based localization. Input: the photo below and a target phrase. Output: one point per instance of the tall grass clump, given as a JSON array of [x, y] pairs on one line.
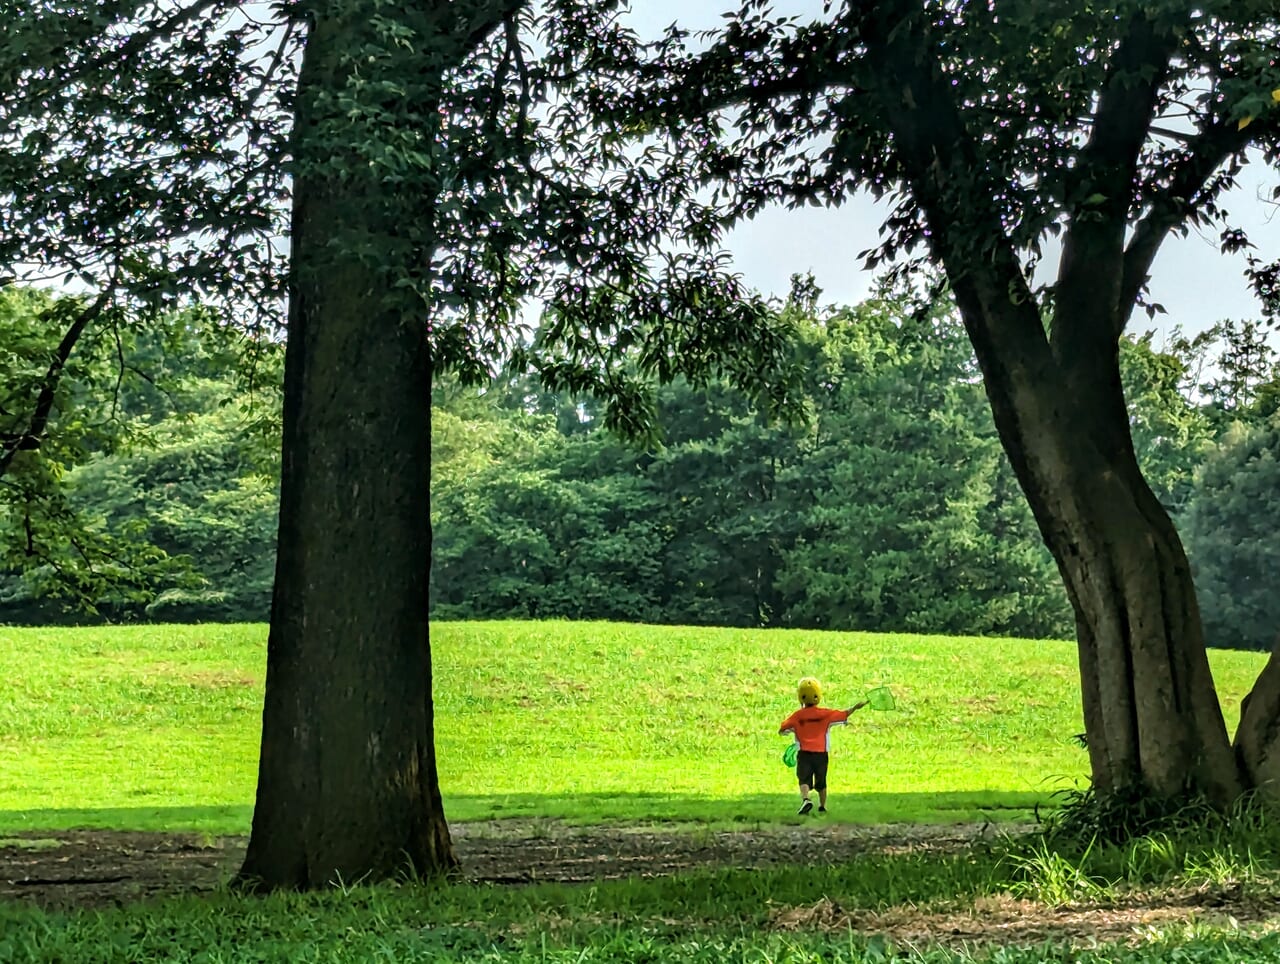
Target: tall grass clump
[[1055, 879], [1091, 845]]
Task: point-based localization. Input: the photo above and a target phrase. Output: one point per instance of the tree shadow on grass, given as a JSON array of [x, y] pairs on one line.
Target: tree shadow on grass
[[846, 807], [843, 807], [217, 820]]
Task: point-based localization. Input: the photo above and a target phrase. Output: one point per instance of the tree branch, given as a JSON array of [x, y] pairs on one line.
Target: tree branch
[[1171, 207], [484, 19], [1087, 295], [34, 433], [64, 77], [276, 58], [947, 178], [786, 70]]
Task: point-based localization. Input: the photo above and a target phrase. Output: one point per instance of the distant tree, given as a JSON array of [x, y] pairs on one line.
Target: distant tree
[[199, 494], [905, 521], [543, 515], [727, 509], [573, 414], [1246, 362], [1267, 403], [1171, 431], [527, 542], [733, 521], [1233, 537], [992, 129], [204, 491], [529, 522]]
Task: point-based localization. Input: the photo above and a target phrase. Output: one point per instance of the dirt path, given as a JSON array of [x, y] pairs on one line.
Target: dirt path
[[102, 868], [97, 868]]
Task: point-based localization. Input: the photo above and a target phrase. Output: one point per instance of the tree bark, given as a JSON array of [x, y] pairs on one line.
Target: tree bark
[[347, 784], [1257, 742]]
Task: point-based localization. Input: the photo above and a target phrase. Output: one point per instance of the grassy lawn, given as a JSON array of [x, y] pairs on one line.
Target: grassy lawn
[[156, 727]]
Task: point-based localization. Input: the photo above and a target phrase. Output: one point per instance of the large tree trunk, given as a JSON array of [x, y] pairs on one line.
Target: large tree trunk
[[1150, 707], [347, 786], [1151, 711]]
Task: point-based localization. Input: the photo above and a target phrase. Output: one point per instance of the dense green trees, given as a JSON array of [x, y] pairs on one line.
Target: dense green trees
[[92, 521], [1232, 529], [911, 520], [538, 511], [200, 494], [893, 508]]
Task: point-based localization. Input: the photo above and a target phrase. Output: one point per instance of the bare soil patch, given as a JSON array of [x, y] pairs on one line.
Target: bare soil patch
[[520, 852], [92, 868]]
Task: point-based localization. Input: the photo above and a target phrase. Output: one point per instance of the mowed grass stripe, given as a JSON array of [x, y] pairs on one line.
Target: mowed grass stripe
[[157, 726]]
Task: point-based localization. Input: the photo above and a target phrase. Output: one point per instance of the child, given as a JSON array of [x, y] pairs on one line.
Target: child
[[812, 728]]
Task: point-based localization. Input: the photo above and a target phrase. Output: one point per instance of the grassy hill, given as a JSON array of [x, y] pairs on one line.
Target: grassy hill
[[156, 727]]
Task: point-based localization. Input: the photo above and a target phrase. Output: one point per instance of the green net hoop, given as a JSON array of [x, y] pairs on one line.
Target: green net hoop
[[789, 754], [880, 698]]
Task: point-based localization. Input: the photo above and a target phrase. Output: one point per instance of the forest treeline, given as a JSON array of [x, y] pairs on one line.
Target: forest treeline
[[889, 507]]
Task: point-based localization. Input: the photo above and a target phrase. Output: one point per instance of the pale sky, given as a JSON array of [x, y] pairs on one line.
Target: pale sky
[[1195, 283]]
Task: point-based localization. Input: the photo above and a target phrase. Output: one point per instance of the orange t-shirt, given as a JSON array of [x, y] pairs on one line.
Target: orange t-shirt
[[812, 726]]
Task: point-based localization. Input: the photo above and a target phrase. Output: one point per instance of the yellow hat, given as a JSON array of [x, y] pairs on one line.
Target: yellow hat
[[810, 691]]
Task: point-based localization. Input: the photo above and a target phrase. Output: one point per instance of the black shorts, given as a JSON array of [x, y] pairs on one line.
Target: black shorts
[[811, 769]]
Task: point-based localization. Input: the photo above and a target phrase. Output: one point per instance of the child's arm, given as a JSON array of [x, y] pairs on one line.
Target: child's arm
[[788, 725], [856, 706]]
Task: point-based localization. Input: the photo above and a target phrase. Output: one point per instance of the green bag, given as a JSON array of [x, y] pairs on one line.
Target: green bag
[[789, 754]]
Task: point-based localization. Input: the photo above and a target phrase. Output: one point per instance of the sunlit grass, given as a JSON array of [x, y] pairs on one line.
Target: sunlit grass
[[157, 726]]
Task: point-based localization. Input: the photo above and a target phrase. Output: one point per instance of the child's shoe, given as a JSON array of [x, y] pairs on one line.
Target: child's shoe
[[805, 807]]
